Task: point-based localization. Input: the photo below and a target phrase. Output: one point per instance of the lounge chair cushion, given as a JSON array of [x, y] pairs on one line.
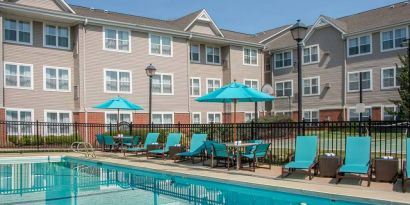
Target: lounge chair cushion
[[354, 168], [188, 154], [158, 151], [299, 165], [136, 149], [250, 156]]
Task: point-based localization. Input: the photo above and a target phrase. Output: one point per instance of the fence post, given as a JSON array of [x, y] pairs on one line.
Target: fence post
[[370, 126], [253, 130], [130, 126], [110, 129], [212, 131], [37, 135], [75, 131], [179, 126]]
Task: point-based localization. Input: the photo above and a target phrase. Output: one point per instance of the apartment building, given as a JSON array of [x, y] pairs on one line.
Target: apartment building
[[335, 51], [61, 60]]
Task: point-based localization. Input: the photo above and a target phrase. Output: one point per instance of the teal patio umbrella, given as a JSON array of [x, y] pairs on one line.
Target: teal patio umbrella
[[235, 92], [118, 103]]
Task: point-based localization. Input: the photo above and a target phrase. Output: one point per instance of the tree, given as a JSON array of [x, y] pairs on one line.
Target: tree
[[403, 104]]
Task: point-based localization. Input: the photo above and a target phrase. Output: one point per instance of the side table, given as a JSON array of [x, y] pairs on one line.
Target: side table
[[386, 169], [153, 147], [328, 165], [174, 150]]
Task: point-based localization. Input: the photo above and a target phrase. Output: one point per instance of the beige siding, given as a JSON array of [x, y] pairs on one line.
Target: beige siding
[[203, 28], [46, 4], [38, 56]]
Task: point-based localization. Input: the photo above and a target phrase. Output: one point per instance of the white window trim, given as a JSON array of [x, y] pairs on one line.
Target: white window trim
[[190, 88], [354, 108], [206, 55], [360, 71], [243, 57], [358, 37], [387, 106], [57, 68], [172, 82], [394, 40], [310, 79], [70, 116], [116, 112], [220, 83], [156, 54], [162, 116], [257, 82], [58, 112], [56, 25], [395, 78], [310, 54], [17, 37], [116, 35], [284, 67], [190, 53], [213, 113], [283, 81], [196, 113], [19, 120], [310, 111], [18, 87], [248, 112], [118, 81]]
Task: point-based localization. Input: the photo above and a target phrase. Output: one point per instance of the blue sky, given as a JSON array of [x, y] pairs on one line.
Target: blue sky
[[248, 16]]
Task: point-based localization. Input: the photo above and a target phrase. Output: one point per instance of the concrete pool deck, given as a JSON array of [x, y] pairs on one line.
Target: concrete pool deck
[[326, 187]]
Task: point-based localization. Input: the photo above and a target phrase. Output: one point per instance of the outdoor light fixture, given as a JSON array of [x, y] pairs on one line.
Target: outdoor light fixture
[[299, 31], [150, 70]]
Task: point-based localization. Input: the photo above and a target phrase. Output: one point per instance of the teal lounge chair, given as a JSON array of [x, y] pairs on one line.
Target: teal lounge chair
[[151, 138], [109, 141], [406, 166], [305, 156], [172, 140], [250, 149], [100, 140], [260, 152], [196, 148], [208, 150], [130, 141], [221, 152], [357, 159]]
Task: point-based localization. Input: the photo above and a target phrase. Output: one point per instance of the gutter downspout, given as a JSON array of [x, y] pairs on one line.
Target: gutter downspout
[[189, 72], [84, 87], [344, 71]]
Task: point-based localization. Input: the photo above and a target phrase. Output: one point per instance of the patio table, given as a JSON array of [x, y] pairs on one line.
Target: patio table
[[237, 148]]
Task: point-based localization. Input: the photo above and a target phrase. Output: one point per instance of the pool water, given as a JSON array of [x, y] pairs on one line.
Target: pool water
[[66, 181]]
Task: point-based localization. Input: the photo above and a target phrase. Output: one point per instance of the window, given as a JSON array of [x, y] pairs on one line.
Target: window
[[56, 36], [196, 118], [117, 81], [214, 117], [212, 85], [160, 45], [359, 45], [163, 118], [251, 83], [354, 80], [283, 113], [195, 87], [311, 54], [58, 122], [284, 88], [162, 84], [355, 116], [390, 77], [117, 40], [16, 119], [17, 31], [213, 55], [57, 79], [250, 56], [311, 116], [195, 53], [18, 75], [311, 86], [112, 117], [249, 116], [389, 112], [393, 39], [283, 59]]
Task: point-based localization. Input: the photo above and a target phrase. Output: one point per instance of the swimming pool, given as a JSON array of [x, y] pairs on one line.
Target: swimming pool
[[67, 180]]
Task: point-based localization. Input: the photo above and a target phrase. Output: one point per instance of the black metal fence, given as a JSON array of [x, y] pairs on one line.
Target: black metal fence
[[388, 137]]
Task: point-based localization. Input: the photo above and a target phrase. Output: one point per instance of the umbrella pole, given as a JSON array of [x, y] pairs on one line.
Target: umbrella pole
[[234, 120], [118, 121]]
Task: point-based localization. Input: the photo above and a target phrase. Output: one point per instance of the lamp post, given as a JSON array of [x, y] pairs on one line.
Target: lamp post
[[150, 70], [407, 41], [298, 31]]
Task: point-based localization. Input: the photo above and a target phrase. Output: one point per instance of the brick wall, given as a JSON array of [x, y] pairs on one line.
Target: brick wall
[[183, 118], [3, 137], [93, 117], [331, 115], [228, 117], [376, 113], [140, 118]]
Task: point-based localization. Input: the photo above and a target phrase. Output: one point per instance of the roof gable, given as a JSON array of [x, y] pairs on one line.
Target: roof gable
[[58, 5], [324, 21], [204, 18]]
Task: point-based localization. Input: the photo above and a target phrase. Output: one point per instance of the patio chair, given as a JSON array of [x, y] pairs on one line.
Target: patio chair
[[172, 140], [109, 140], [260, 152], [305, 156], [406, 166], [357, 159], [100, 139], [250, 149], [131, 141], [221, 152], [208, 151], [151, 138], [196, 148]]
